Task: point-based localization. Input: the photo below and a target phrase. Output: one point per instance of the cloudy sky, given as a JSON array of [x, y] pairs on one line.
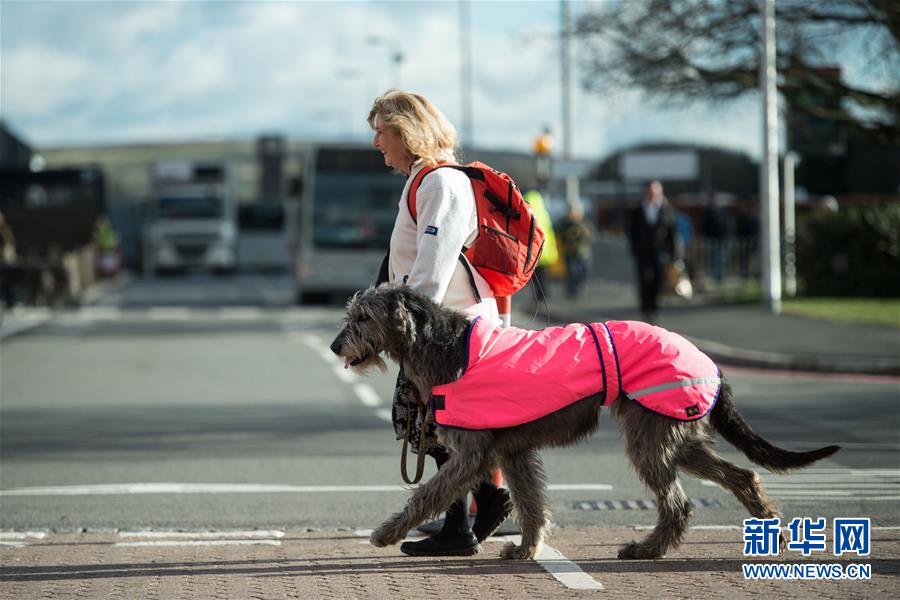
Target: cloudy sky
[[83, 72]]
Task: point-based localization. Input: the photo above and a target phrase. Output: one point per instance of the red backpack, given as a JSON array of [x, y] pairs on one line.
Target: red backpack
[[509, 240]]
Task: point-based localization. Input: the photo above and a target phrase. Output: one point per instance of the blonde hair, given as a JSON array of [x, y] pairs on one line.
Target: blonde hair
[[425, 131]]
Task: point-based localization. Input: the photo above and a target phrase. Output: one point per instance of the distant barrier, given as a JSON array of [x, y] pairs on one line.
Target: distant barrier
[[708, 260]]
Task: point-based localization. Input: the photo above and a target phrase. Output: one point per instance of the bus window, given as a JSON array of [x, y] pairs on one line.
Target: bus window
[[354, 212]]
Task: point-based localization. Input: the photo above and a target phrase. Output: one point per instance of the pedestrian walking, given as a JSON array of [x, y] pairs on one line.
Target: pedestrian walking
[[424, 253], [9, 268], [714, 228], [550, 253], [576, 235], [652, 237]]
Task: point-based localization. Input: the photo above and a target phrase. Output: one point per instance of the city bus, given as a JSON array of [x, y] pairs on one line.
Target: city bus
[[347, 210]]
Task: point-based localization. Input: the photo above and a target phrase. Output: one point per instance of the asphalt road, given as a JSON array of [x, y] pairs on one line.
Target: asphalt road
[[210, 403]]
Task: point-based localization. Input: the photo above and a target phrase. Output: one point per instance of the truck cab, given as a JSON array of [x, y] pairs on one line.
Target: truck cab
[[191, 221]]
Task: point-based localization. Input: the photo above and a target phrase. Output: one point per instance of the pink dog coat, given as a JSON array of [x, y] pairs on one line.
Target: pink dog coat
[[514, 376]]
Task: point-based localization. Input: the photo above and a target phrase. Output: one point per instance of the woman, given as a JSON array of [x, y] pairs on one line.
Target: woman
[[413, 134]]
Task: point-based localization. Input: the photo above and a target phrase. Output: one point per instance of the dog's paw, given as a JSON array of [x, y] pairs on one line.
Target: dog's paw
[[636, 551], [386, 535], [511, 551]]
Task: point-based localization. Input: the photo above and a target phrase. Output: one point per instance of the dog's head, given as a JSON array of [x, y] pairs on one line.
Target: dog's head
[[378, 320]]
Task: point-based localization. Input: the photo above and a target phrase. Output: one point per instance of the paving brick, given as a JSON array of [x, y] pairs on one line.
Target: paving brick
[[340, 564]]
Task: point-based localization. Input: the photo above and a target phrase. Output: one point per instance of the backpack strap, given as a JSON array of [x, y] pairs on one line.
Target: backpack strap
[[414, 187], [411, 205], [465, 264], [472, 173]]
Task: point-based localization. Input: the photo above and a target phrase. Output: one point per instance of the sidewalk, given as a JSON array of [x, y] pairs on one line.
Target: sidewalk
[[22, 318], [577, 563], [734, 334]]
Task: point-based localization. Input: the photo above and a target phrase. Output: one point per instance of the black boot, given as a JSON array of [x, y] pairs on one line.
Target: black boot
[[454, 539], [494, 506]]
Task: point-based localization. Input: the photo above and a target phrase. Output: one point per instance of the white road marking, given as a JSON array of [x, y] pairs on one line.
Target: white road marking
[[202, 538], [22, 535], [579, 487], [706, 527], [241, 313], [367, 395], [252, 534], [561, 568], [114, 489], [200, 543], [18, 320], [834, 484], [165, 313], [99, 313], [298, 336], [365, 392]]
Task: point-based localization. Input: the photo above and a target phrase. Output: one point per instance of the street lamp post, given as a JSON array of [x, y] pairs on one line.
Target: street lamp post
[[768, 180], [465, 87]]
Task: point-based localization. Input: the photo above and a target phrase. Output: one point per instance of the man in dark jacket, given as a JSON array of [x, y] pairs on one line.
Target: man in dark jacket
[[652, 234]]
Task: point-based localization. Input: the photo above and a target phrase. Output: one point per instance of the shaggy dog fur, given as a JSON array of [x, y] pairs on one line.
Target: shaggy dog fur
[[430, 341]]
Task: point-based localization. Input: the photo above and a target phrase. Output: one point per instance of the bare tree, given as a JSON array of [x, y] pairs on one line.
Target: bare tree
[[710, 49]]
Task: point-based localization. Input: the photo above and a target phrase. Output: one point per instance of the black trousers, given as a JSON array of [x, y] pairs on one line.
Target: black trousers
[[650, 277]]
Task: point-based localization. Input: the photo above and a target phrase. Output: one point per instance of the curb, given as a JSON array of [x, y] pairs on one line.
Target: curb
[[776, 361], [12, 324]]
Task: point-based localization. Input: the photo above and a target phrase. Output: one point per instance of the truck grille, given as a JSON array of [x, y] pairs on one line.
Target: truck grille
[[191, 251]]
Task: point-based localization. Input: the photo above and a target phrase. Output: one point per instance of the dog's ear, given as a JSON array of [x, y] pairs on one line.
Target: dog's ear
[[406, 323]]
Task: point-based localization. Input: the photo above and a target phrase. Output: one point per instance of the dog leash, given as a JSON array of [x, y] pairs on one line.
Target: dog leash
[[420, 464]]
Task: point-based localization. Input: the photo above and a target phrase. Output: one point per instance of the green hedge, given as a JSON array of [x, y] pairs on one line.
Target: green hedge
[[854, 252]]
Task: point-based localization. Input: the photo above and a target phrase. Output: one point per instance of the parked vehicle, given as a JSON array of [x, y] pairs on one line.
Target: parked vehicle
[[347, 212], [191, 221], [267, 232], [348, 207]]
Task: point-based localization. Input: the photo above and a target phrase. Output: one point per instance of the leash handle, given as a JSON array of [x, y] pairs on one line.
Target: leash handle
[[420, 464]]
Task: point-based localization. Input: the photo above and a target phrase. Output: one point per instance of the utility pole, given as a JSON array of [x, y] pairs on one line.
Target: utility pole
[[572, 194], [768, 180], [465, 34]]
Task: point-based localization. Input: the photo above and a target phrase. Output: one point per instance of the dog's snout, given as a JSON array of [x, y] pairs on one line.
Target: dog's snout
[[336, 345]]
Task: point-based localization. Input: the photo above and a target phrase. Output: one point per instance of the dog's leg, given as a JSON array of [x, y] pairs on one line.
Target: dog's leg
[[699, 459], [653, 464], [460, 474], [524, 473]]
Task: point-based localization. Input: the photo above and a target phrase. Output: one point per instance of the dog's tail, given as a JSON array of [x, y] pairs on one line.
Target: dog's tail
[[728, 422]]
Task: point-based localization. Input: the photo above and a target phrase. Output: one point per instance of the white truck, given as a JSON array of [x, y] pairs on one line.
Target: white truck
[[191, 220]]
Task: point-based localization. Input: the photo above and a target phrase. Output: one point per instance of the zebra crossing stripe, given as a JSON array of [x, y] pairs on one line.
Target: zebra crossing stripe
[[561, 568]]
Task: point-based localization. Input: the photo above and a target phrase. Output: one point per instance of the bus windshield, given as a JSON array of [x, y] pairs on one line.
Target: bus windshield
[[355, 201]]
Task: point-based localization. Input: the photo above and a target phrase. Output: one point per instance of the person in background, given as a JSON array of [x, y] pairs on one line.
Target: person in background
[[652, 238], [714, 228], [9, 270], [106, 241], [576, 235], [425, 253], [550, 252]]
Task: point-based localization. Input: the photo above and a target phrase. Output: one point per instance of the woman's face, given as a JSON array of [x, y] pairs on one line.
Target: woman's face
[[388, 140]]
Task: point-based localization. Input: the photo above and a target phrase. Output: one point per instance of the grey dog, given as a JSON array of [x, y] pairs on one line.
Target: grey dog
[[431, 343]]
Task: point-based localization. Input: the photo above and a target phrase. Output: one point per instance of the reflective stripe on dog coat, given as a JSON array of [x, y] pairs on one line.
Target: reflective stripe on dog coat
[[515, 376]]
